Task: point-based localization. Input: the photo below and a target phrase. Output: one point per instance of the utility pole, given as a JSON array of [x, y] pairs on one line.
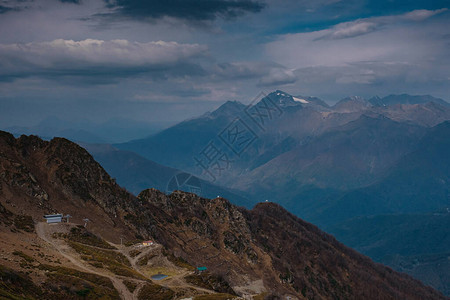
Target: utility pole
[[121, 240]]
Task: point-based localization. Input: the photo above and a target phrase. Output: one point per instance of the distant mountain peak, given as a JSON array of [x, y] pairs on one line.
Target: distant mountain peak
[[283, 99], [354, 98], [351, 104], [231, 103], [410, 100], [229, 107], [376, 101], [287, 100], [281, 92], [375, 117]]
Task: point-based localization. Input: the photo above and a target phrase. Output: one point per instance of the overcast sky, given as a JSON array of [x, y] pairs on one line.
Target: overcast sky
[[174, 59]]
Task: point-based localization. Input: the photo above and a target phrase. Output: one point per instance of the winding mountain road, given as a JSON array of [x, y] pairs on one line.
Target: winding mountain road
[[42, 230]]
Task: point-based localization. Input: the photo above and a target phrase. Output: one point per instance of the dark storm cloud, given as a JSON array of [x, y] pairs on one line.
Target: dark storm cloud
[[4, 9], [97, 61], [12, 6], [101, 75], [70, 1], [192, 10]]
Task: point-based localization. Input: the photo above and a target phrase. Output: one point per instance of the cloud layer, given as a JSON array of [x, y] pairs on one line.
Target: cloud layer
[[91, 57], [398, 53], [196, 10]]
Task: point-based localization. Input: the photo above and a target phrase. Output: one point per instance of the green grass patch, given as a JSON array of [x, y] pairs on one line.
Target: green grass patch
[[82, 236], [261, 296], [133, 242], [131, 285], [93, 278], [96, 264], [81, 287], [209, 281], [27, 258], [134, 253], [178, 261], [105, 256], [61, 283], [214, 297], [150, 271], [155, 292], [143, 261], [126, 272], [16, 285], [114, 261]]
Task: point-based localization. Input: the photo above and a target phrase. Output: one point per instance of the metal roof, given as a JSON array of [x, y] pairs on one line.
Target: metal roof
[[53, 216]]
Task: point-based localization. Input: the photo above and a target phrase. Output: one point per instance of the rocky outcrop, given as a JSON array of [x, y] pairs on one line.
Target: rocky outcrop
[[292, 257]]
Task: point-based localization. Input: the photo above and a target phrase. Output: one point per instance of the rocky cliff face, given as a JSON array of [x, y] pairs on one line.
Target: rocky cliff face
[[39, 177], [265, 251], [267, 248]]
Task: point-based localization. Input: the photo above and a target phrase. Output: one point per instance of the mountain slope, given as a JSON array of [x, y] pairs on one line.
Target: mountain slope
[[407, 99], [262, 250], [272, 244], [416, 244], [428, 114], [58, 176], [176, 146], [346, 157], [136, 173], [351, 104], [419, 182]]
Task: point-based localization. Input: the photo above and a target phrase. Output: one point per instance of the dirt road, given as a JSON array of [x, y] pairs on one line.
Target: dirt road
[[44, 231]]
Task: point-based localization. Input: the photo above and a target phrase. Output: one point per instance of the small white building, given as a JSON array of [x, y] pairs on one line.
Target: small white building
[[147, 243], [56, 218]]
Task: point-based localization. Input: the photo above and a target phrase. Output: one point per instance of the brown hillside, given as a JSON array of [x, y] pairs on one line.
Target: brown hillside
[[39, 177], [290, 256]]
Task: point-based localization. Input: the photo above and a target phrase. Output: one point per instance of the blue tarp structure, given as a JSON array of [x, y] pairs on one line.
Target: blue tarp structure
[[201, 268]]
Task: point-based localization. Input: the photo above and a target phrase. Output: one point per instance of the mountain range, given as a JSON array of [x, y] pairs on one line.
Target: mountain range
[[310, 152], [111, 131], [326, 164], [294, 122], [265, 252]]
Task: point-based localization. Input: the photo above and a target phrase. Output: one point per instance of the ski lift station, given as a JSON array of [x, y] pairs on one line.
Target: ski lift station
[[56, 218]]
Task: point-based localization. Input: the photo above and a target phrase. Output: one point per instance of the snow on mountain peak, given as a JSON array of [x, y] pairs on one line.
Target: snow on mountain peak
[[300, 100]]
